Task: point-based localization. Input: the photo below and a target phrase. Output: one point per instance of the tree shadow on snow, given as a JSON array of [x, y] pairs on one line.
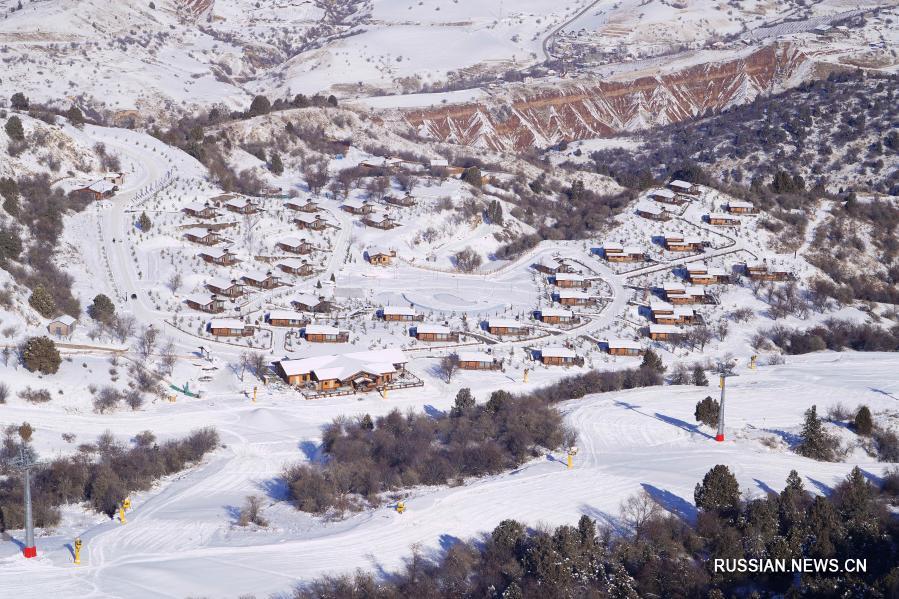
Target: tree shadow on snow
[[310, 450], [764, 487], [233, 513], [433, 412], [275, 488], [616, 524], [882, 392], [448, 541], [790, 439], [678, 506], [822, 488], [690, 428]]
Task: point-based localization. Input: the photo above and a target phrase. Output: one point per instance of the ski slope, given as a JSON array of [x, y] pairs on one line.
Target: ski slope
[[180, 540]]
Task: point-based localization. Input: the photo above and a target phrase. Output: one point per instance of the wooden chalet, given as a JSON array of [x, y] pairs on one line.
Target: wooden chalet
[[355, 371], [559, 356], [221, 257], [241, 205], [573, 297], [358, 207], [435, 332], [762, 271], [478, 361], [664, 332], [398, 314], [667, 196], [286, 318], [205, 302], [115, 178], [554, 316], [295, 266], [406, 201], [675, 242], [570, 280], [313, 222], [310, 303], [677, 293], [380, 257], [199, 210], [723, 219], [615, 252], [380, 220], [741, 207], [294, 245], [624, 347], [651, 211], [320, 333], [503, 327], [700, 274], [302, 205], [98, 190], [202, 236], [220, 200], [230, 327], [261, 279], [228, 288], [677, 315], [62, 326], [684, 187]]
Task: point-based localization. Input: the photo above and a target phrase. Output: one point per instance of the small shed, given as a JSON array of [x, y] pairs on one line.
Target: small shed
[[62, 326]]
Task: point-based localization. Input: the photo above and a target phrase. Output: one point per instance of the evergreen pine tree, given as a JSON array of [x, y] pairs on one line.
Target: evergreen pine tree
[[102, 309], [144, 222], [367, 423], [277, 167], [718, 492], [42, 302], [699, 378], [39, 354], [864, 424], [816, 443], [652, 361], [14, 128]]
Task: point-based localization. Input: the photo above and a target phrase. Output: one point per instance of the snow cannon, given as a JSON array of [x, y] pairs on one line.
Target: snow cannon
[[77, 547], [572, 451], [400, 507]]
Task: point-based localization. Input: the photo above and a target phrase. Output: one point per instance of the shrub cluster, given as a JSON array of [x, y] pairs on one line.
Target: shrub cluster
[[102, 474], [367, 457], [835, 335]]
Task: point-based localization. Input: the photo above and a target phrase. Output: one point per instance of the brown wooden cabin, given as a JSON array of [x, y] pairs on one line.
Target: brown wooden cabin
[[507, 327], [261, 280], [294, 246], [302, 205], [295, 267], [218, 257], [230, 328], [210, 304], [381, 257], [405, 201], [435, 333], [202, 236], [325, 334], [478, 361], [224, 287], [313, 222], [624, 348], [200, 211]]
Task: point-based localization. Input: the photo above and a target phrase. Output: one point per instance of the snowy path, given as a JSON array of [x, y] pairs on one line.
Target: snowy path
[[179, 542]]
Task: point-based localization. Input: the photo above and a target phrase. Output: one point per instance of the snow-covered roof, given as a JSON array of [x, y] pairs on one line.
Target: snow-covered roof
[[198, 232], [355, 204], [258, 275], [550, 263], [195, 206], [379, 251], [308, 218], [739, 204], [632, 249], [226, 323], [723, 216], [292, 241], [651, 208], [557, 352], [306, 299], [696, 290], [665, 193], [287, 315], [380, 361], [379, 217], [101, 186], [321, 329], [65, 319], [697, 267], [291, 263], [239, 202], [474, 356], [555, 312], [663, 328], [504, 323], [673, 287], [572, 294], [439, 162], [433, 329], [203, 299], [214, 252], [623, 344], [612, 246], [569, 276], [657, 305], [681, 184], [682, 311], [399, 310]]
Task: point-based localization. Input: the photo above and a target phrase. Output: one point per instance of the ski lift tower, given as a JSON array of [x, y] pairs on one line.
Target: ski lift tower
[[25, 462], [725, 369]]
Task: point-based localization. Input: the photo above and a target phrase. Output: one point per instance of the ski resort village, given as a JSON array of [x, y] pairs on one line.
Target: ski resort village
[[449, 299]]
